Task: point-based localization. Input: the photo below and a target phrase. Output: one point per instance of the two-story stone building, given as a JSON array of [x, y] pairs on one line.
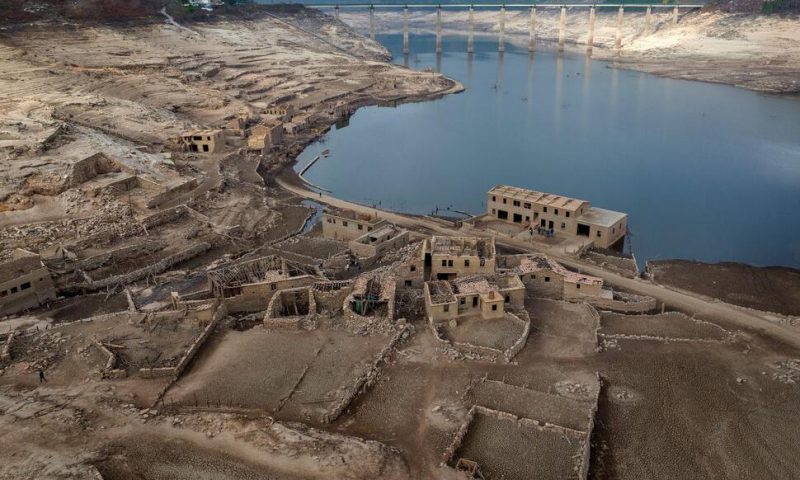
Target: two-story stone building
[[557, 214], [204, 141], [347, 225], [24, 283], [484, 296], [450, 257]]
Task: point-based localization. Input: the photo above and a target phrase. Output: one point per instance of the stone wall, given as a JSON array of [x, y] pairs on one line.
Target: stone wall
[[624, 266], [164, 216], [368, 252], [5, 354], [109, 370], [517, 347], [584, 437], [471, 351], [130, 277], [119, 254], [355, 320], [274, 317], [623, 303], [255, 298], [368, 378], [90, 167], [331, 301], [172, 192], [220, 312]]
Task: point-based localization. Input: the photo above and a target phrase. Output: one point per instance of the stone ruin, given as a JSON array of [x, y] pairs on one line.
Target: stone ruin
[[293, 308], [330, 295], [372, 300]]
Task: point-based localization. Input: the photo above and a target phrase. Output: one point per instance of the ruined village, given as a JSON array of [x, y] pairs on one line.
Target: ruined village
[[177, 302]]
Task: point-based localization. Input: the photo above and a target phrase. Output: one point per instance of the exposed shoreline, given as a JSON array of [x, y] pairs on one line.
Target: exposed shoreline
[[752, 51]]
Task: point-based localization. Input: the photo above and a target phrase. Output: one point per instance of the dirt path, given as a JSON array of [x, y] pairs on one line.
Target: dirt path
[[689, 303]]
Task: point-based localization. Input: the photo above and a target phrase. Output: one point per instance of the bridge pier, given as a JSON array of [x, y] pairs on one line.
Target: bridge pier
[[590, 38], [439, 29], [406, 48], [470, 32], [618, 39], [372, 22], [532, 37], [648, 20], [675, 16], [501, 47], [561, 28]]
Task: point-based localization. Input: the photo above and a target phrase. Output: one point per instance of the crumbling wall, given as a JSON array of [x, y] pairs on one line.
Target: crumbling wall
[[130, 277], [220, 312], [202, 310], [623, 303], [119, 254], [274, 317], [331, 301], [110, 370], [586, 442], [100, 238], [368, 378], [462, 350], [448, 457], [5, 354], [517, 347], [173, 192], [86, 169], [465, 350], [255, 298], [369, 252], [583, 437], [219, 229], [388, 286], [164, 216], [624, 266]]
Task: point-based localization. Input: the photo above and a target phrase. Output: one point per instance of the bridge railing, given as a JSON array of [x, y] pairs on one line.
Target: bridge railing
[[620, 7]]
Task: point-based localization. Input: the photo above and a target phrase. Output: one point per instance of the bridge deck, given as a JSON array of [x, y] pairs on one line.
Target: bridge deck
[[507, 5]]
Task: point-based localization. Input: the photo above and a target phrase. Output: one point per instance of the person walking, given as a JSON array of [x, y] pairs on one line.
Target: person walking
[[42, 378]]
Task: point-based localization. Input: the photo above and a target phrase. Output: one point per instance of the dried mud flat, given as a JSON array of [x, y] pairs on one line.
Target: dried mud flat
[[770, 289], [254, 402]]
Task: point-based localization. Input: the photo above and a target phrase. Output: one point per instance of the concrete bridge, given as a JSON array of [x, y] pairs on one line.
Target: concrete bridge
[[533, 7]]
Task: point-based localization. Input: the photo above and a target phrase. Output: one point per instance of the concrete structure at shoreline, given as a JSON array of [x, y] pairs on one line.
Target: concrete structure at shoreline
[[547, 212], [348, 225], [24, 283], [450, 257], [486, 296]]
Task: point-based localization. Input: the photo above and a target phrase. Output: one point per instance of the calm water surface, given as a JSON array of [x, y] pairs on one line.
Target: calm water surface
[[707, 172]]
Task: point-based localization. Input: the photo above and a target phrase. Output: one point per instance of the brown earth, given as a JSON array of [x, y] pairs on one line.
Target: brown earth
[[689, 409], [770, 289]]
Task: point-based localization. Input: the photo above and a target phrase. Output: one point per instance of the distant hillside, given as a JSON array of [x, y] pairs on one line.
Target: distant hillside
[[14, 11], [29, 10]]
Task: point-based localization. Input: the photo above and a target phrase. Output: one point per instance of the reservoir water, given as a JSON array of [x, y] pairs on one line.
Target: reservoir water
[[706, 172]]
